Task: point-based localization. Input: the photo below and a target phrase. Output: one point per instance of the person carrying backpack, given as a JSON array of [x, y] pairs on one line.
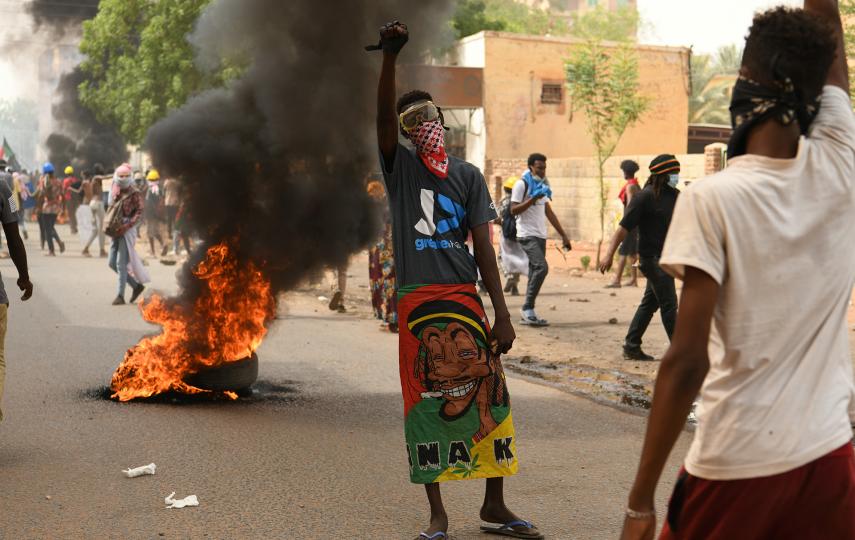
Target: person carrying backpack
[[530, 205], [513, 258]]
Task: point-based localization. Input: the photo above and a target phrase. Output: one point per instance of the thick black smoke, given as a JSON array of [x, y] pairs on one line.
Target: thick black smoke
[[280, 158], [82, 140], [79, 138], [61, 14]]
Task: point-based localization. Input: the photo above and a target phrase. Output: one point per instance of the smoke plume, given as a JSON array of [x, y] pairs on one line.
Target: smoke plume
[[60, 15], [279, 158], [79, 138], [82, 140]]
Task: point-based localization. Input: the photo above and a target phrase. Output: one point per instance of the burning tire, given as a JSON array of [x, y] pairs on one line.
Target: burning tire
[[232, 376]]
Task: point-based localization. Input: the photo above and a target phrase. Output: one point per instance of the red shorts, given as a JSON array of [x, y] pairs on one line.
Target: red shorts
[[816, 501]]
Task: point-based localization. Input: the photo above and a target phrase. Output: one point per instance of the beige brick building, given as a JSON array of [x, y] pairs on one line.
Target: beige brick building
[[512, 101], [525, 104], [575, 188]]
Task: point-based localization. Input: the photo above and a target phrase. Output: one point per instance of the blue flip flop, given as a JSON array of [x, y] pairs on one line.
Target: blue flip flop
[[507, 529], [435, 536]]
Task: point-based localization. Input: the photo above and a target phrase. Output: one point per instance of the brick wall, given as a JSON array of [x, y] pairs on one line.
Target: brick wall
[[575, 188]]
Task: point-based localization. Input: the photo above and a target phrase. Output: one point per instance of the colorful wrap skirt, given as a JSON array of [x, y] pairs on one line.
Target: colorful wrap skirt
[[458, 423]]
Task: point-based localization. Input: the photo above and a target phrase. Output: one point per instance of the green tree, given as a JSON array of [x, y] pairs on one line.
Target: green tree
[[713, 77], [605, 25], [139, 63], [603, 82], [473, 16]]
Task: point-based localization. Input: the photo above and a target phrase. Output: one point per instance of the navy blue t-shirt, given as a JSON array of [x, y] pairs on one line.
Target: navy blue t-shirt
[[432, 217]]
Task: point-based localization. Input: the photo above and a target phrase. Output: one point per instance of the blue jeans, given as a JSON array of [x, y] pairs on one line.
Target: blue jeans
[[118, 262], [660, 294]]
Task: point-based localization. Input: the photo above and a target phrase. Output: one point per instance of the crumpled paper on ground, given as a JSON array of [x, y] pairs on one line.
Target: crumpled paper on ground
[[189, 500], [140, 471]]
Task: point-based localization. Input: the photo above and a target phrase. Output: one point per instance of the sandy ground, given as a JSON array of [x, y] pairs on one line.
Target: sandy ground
[[587, 324]]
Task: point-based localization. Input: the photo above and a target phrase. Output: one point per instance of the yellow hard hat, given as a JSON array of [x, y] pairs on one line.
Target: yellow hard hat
[[153, 175], [509, 183], [69, 170]]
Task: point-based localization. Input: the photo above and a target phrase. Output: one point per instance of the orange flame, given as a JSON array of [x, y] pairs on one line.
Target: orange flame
[[227, 322]]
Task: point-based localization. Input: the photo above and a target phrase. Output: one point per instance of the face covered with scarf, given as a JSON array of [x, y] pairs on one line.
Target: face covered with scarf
[[122, 176], [753, 103], [429, 139]]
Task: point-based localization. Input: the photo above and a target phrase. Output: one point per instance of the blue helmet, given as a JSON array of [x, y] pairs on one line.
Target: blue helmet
[[47, 168]]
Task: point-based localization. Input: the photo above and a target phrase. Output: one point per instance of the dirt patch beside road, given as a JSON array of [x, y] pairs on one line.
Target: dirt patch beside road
[[581, 350]]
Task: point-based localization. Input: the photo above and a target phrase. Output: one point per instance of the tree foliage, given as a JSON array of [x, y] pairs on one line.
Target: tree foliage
[[473, 16], [139, 63], [604, 83], [605, 25], [713, 77]]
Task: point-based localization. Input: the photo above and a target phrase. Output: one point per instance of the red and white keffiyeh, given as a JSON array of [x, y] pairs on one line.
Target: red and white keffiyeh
[[429, 140]]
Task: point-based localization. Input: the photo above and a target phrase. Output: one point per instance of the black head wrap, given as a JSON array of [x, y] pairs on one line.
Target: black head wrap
[[754, 103]]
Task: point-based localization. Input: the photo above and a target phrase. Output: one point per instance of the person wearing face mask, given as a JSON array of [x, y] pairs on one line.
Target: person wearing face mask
[[531, 207], [650, 211], [763, 341], [124, 215], [458, 423]]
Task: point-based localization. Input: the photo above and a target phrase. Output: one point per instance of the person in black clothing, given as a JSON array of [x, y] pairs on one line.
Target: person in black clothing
[[651, 212]]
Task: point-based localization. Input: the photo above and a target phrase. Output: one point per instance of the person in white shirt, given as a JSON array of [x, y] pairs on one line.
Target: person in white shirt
[[765, 340], [530, 204]]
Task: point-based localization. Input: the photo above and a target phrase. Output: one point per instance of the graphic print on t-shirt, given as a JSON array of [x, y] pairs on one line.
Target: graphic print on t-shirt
[[448, 217], [431, 219]]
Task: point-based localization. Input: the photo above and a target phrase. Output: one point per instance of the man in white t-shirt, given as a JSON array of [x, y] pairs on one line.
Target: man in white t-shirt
[[765, 340], [530, 204]]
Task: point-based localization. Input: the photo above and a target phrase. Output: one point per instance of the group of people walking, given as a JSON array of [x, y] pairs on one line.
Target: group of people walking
[[98, 205], [771, 456]]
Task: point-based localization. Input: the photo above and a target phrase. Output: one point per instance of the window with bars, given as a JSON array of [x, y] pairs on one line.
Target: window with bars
[[552, 94]]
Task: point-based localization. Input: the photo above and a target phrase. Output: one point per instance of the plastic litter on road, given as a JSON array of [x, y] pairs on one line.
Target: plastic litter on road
[[189, 500], [140, 471]]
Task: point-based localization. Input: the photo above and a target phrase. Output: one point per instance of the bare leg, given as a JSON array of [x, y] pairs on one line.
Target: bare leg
[[494, 509], [438, 517], [633, 282], [618, 272]]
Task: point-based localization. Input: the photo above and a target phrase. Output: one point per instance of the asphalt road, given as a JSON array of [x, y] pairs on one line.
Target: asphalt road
[[319, 453]]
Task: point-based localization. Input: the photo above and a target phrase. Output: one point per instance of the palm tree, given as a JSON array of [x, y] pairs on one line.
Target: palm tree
[[713, 77]]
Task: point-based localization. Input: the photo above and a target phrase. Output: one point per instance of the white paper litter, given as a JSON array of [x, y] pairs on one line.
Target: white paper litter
[[140, 471], [189, 500]]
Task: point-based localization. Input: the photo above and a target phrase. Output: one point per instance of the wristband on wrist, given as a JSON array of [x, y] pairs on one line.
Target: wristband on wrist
[[634, 514]]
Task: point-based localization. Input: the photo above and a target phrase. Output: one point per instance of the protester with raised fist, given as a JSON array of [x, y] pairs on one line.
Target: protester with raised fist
[[457, 410]]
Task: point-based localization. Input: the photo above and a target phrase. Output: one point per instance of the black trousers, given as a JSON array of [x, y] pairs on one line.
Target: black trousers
[[660, 294]]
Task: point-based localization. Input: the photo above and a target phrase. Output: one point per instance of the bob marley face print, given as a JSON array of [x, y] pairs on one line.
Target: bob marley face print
[[454, 362]]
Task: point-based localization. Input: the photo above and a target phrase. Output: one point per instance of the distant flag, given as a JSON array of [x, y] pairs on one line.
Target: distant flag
[[8, 154]]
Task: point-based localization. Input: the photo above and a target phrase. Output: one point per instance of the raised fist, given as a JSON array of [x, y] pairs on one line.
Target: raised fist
[[393, 37]]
